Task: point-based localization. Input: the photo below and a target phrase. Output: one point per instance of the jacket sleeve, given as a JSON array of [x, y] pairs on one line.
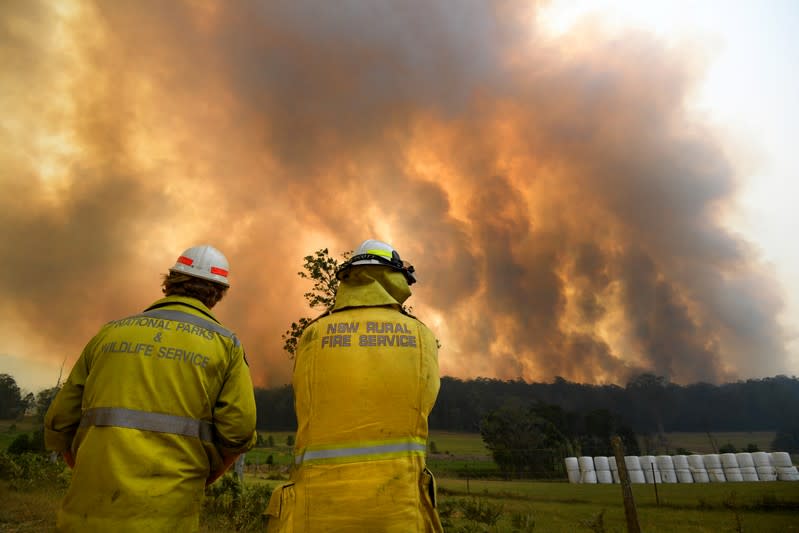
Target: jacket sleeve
[[63, 417], [234, 410]]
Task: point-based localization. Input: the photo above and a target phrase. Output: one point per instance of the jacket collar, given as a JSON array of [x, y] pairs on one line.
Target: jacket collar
[[370, 286], [183, 301]]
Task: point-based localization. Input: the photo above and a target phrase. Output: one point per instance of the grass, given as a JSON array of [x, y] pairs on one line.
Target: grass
[[458, 444], [495, 506], [558, 506], [29, 511], [551, 506], [11, 429]]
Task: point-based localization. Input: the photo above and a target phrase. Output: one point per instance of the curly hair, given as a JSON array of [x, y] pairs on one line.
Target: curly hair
[[178, 284]]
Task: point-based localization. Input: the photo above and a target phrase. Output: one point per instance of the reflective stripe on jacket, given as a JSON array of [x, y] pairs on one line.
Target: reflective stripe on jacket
[[150, 407]]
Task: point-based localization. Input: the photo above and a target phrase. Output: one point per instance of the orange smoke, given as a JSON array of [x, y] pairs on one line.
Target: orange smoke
[[558, 203]]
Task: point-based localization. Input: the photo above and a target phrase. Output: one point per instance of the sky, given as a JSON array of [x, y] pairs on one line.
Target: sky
[[589, 190]]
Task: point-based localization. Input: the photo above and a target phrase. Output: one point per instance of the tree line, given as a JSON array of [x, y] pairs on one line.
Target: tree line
[[530, 427], [647, 404]]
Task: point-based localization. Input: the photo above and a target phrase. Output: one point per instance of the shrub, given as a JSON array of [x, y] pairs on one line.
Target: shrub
[[19, 445], [480, 511], [27, 443], [232, 505], [28, 470], [597, 525], [522, 523]]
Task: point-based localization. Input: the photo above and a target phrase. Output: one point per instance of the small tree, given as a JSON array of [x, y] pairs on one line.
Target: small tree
[[522, 441], [43, 400], [321, 269], [727, 448], [10, 396]]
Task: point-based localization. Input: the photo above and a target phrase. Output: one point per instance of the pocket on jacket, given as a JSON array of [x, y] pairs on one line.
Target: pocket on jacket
[[429, 497], [279, 512], [429, 486]]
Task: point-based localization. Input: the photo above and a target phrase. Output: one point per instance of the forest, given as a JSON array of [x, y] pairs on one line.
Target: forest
[[647, 404]]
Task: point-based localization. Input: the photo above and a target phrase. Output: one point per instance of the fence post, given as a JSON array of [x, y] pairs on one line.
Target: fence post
[[655, 483], [630, 512]]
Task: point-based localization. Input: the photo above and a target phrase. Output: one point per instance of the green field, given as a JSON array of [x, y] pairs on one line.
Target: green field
[[473, 503], [558, 506]]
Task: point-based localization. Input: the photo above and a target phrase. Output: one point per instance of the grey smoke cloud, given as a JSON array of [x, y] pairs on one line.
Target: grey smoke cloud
[[559, 203]]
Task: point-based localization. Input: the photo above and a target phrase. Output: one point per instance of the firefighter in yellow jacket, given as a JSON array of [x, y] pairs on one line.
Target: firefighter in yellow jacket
[[365, 380], [158, 405]]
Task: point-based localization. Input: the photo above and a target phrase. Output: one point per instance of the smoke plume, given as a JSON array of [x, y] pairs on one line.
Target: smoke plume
[[560, 204]]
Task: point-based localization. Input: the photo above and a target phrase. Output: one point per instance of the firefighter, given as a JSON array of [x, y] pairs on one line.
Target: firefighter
[[365, 380], [158, 405]]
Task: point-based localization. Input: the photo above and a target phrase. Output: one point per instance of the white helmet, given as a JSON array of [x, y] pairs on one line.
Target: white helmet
[[204, 262], [374, 252]]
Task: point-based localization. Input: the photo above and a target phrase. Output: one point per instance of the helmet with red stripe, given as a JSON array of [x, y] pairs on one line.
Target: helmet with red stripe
[[204, 262]]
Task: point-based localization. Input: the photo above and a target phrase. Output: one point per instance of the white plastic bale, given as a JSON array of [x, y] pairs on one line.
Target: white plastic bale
[[711, 460], [733, 474], [716, 475], [700, 476], [684, 475], [604, 476], [729, 463], [766, 473], [696, 462], [601, 463], [762, 459], [664, 462], [586, 464], [588, 476], [650, 468], [668, 476], [572, 469], [614, 469], [637, 476], [781, 459], [632, 462], [749, 473], [634, 472], [680, 462], [728, 460], [787, 473], [665, 466], [744, 459]]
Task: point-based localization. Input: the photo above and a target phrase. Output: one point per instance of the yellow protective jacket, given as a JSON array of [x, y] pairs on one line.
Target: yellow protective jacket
[[365, 380], [151, 406]]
